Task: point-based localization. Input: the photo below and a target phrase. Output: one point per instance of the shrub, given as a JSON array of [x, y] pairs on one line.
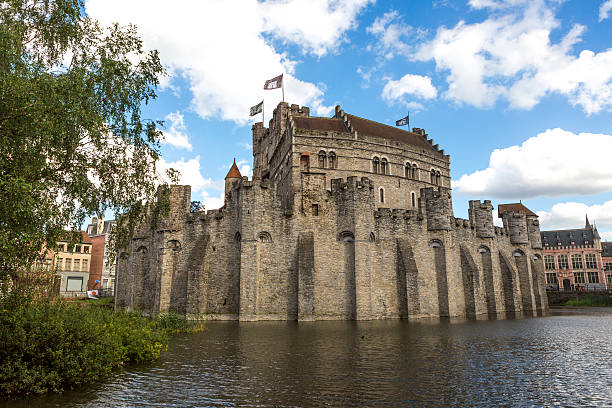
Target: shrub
[[596, 300], [53, 345]]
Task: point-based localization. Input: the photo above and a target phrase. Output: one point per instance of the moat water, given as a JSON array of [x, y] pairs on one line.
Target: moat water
[[561, 360]]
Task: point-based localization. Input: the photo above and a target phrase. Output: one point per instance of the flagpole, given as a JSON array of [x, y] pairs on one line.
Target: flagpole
[[263, 116], [283, 87]]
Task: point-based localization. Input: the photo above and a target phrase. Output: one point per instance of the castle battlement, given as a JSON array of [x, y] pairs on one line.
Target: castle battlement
[[302, 241]]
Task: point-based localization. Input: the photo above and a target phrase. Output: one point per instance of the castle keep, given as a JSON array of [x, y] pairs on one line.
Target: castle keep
[[344, 218]]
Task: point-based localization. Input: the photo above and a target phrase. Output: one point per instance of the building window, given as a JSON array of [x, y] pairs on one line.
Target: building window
[[549, 262], [609, 279], [608, 266], [413, 196], [68, 265], [305, 162], [384, 166], [382, 195], [407, 170], [563, 262], [77, 249], [577, 261], [579, 277], [375, 164], [593, 277], [438, 181], [77, 264], [415, 172], [551, 278], [315, 210], [86, 249], [74, 284], [333, 160], [432, 176], [85, 265], [591, 261], [322, 159], [58, 263]]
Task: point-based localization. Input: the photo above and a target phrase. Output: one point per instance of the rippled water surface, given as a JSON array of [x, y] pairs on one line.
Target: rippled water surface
[[564, 359]]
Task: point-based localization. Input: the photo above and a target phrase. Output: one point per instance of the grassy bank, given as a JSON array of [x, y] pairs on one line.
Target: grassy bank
[[595, 300], [54, 345]]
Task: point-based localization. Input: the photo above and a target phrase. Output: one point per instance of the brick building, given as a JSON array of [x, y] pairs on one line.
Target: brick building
[[101, 274], [72, 263], [573, 259], [345, 218]]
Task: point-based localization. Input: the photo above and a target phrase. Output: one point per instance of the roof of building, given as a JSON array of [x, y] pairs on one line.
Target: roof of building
[[568, 237], [84, 237], [92, 230], [363, 127], [514, 207], [606, 248], [233, 171]]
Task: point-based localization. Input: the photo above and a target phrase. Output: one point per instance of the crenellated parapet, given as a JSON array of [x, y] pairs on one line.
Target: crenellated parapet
[[481, 218], [516, 225]]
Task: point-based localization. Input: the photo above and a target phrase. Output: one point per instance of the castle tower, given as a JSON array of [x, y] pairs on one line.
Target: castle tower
[[481, 218], [233, 175]]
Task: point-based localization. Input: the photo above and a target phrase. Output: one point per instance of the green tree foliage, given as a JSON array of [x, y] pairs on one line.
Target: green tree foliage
[[72, 139]]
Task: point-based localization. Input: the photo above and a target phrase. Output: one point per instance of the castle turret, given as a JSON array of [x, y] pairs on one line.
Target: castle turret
[[515, 218], [258, 157], [437, 208], [533, 229], [233, 175], [481, 218]]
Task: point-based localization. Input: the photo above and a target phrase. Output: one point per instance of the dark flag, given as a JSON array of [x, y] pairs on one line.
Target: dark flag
[[274, 83], [403, 121], [256, 109]]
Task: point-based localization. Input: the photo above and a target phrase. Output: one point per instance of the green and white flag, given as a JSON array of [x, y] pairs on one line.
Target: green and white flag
[[257, 108]]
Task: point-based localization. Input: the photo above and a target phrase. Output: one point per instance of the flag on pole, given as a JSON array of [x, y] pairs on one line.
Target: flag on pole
[[274, 83], [256, 109], [403, 121]]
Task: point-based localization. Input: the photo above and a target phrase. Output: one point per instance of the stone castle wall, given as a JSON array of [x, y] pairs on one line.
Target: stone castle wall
[[311, 243]]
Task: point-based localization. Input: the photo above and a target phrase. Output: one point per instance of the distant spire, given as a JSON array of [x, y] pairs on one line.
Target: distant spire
[[233, 171], [587, 225]]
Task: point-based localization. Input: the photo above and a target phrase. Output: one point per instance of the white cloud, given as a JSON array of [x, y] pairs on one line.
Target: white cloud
[[414, 85], [571, 215], [604, 10], [553, 163], [606, 235], [391, 34], [317, 26], [176, 135], [210, 192], [220, 47], [510, 56]]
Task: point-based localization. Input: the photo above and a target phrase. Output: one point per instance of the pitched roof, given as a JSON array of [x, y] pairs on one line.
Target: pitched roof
[[322, 124], [376, 129], [579, 236], [233, 171], [363, 127], [514, 207]]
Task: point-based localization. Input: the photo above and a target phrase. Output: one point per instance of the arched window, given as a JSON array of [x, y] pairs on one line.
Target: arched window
[[438, 178], [407, 170], [382, 195], [372, 237], [332, 160], [346, 236], [413, 195], [237, 237], [322, 159], [375, 164], [384, 166], [436, 243], [432, 176], [483, 249], [264, 236], [518, 253], [415, 171]]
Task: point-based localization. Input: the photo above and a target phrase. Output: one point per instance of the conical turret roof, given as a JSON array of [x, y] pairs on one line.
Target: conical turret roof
[[233, 171]]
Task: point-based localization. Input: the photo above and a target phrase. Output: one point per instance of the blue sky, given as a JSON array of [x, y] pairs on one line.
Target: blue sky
[[518, 92]]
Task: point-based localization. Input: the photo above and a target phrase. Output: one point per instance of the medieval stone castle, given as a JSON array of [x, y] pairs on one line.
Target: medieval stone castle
[[344, 218]]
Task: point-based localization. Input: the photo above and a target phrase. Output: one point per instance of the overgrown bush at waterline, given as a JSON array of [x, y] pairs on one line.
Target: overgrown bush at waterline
[[53, 345], [594, 300]]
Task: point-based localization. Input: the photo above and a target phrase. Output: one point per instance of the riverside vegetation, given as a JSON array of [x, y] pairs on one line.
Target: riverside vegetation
[[594, 300], [51, 345]]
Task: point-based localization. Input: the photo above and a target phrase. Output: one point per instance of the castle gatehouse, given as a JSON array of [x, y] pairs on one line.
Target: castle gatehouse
[[344, 218]]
